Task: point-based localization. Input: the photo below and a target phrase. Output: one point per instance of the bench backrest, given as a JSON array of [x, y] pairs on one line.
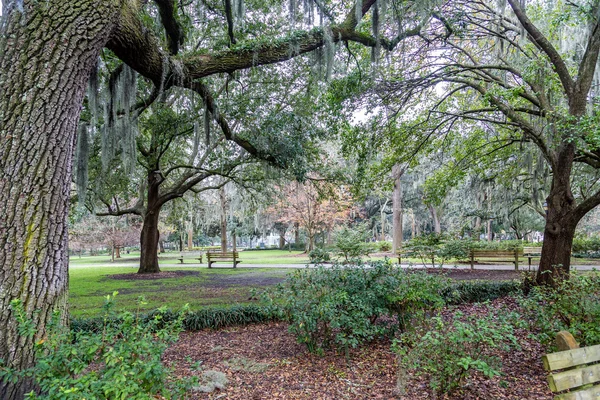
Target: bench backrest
[[227, 254], [532, 250], [580, 368], [496, 253]]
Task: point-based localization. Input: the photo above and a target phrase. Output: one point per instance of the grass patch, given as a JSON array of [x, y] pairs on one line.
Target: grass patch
[[197, 286]]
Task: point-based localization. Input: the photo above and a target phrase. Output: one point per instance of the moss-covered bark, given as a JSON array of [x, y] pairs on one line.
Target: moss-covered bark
[[47, 50]]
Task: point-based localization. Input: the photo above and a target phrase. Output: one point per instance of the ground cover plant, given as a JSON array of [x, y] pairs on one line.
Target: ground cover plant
[[119, 361], [573, 306], [448, 351]]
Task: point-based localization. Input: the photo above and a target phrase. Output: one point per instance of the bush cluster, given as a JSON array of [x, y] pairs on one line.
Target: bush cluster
[[586, 247], [122, 361], [447, 352], [339, 306], [573, 306]]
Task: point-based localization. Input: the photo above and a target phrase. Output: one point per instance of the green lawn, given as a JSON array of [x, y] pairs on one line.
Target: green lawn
[[88, 286], [248, 257]]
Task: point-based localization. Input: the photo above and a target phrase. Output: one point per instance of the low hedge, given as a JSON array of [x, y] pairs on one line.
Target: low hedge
[[480, 291], [213, 318]]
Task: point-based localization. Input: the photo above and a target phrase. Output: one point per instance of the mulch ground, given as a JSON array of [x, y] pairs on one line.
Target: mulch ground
[[265, 362]]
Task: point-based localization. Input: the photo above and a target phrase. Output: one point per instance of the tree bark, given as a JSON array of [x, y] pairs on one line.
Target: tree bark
[[47, 50], [397, 172], [190, 237], [150, 234], [437, 227], [223, 219], [561, 221], [281, 240]]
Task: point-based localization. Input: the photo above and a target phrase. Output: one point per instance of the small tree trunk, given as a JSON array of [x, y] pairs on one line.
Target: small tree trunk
[[397, 209], [310, 244], [223, 219], [117, 252], [477, 228], [382, 217], [281, 240], [161, 246], [233, 241], [437, 228], [190, 237]]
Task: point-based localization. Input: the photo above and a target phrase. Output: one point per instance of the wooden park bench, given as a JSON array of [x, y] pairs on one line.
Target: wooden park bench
[[231, 256], [531, 252], [496, 255], [580, 370], [196, 258]]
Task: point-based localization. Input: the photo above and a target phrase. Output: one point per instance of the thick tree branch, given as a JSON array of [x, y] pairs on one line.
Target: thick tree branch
[[168, 17]]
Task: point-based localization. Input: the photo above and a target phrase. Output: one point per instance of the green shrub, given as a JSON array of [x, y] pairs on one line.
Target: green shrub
[[121, 361], [352, 243], [573, 306], [480, 291], [433, 247], [447, 352], [339, 306], [319, 255], [384, 246]]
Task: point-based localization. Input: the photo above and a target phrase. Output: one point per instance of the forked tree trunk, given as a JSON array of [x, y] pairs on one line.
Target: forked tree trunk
[[47, 50]]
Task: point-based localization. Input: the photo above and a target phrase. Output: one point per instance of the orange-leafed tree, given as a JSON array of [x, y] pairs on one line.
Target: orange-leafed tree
[[313, 206]]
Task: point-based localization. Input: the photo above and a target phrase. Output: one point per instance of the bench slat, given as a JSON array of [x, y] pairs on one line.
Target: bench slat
[[574, 378], [571, 358], [592, 393]]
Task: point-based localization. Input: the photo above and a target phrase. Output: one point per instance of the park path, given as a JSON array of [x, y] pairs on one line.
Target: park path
[[499, 267]]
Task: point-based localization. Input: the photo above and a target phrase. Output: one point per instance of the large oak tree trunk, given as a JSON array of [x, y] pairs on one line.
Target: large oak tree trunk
[[150, 234], [561, 221], [47, 50], [149, 243]]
